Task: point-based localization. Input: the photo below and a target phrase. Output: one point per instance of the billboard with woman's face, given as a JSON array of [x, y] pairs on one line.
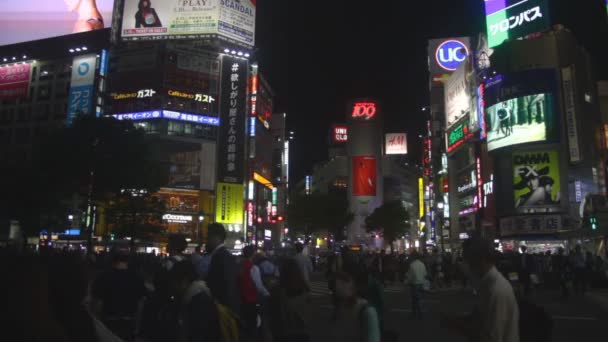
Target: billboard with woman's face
[[233, 20], [22, 21]]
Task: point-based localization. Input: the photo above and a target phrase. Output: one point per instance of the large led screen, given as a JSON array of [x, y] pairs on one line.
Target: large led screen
[[511, 19], [364, 176], [156, 19], [536, 180], [22, 21], [519, 120]]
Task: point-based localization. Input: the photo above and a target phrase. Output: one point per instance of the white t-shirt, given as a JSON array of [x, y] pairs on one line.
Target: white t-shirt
[[498, 309]]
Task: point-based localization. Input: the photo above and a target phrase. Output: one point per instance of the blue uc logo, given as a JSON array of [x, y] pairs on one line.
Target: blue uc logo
[[450, 54], [83, 68]]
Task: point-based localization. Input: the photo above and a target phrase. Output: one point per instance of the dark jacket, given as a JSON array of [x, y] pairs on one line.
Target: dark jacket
[[222, 279], [198, 319]]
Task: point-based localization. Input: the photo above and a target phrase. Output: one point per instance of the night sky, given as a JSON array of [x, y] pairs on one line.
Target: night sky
[[318, 55]]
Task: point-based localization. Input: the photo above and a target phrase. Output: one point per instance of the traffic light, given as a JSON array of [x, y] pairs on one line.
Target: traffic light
[[593, 222]]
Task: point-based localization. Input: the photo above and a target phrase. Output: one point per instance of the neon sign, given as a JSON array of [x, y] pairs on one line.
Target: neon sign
[[365, 110], [171, 115], [196, 97], [450, 54], [458, 135], [340, 134]]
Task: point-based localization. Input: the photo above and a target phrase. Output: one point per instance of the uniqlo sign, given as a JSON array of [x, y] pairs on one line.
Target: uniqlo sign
[[340, 134], [395, 143], [231, 141]]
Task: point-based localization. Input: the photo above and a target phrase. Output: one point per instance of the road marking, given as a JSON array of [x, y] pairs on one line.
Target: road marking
[[574, 318]]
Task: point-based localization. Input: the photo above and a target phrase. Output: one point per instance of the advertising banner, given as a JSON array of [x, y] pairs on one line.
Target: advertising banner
[[457, 96], [185, 170], [531, 224], [445, 55], [22, 21], [231, 19], [231, 141], [536, 179], [458, 134], [511, 19], [14, 81], [229, 203], [339, 134], [570, 109], [364, 176], [520, 108], [395, 143], [80, 99]]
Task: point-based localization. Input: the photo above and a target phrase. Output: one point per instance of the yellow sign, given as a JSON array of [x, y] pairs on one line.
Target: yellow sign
[[260, 179], [421, 197], [229, 203]]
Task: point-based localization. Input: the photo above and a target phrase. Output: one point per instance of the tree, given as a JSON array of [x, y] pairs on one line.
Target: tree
[[318, 212], [104, 153], [391, 218]]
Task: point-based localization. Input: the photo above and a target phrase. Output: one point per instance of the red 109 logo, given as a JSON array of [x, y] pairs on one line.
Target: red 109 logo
[[365, 110]]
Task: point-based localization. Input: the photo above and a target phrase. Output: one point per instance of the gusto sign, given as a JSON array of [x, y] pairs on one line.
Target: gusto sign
[[450, 54], [364, 110]]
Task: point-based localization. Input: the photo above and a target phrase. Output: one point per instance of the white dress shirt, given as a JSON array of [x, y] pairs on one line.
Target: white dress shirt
[[498, 309]]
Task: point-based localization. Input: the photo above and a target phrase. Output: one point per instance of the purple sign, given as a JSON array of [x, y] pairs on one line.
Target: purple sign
[[493, 6]]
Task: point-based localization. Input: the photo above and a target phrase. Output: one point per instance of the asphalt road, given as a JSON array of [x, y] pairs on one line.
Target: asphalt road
[[575, 319]]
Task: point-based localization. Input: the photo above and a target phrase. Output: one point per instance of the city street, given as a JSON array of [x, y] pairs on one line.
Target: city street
[[576, 319]]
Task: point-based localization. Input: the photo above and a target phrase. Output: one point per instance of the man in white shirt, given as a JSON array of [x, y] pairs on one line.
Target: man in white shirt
[[303, 262], [416, 276], [497, 314]]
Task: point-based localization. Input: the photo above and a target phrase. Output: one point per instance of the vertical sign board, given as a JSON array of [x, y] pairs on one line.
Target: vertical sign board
[[570, 109], [364, 176], [231, 144], [80, 99], [229, 205], [14, 81]]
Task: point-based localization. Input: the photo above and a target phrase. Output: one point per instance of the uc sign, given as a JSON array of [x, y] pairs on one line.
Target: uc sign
[[364, 110], [450, 54]]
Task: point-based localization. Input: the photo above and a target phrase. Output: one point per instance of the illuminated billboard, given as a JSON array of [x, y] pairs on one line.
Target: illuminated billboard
[[233, 20], [458, 134], [364, 176], [457, 96], [519, 120], [520, 108], [80, 98], [536, 180], [14, 81], [511, 19], [229, 203], [339, 134], [22, 21], [395, 143], [445, 55]]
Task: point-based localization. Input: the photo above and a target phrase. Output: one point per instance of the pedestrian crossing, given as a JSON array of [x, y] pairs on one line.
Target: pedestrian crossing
[[319, 288]]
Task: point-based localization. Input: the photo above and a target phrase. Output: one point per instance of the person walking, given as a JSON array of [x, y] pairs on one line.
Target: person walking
[[355, 319], [197, 318], [222, 276], [416, 276], [303, 262], [252, 292], [578, 263], [289, 310], [496, 318]]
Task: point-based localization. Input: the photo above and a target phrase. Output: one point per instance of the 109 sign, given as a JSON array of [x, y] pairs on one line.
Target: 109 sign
[[365, 110], [450, 54]]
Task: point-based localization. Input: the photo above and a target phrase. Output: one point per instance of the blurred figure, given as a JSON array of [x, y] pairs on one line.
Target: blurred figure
[[252, 291], [496, 318], [416, 276], [289, 311], [201, 261], [303, 262], [222, 277], [116, 295], [89, 17], [176, 246], [578, 263], [525, 269], [355, 319], [197, 318], [269, 271]]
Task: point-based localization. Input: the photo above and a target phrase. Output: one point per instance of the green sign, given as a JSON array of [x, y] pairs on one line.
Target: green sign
[[511, 19], [458, 134]]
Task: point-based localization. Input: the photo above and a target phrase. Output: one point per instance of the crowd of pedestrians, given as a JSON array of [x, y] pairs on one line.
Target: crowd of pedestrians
[[212, 295]]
